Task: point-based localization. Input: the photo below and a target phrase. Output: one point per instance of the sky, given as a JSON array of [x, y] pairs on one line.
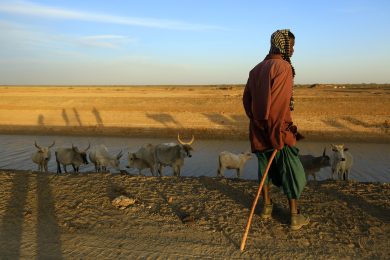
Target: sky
[[117, 42]]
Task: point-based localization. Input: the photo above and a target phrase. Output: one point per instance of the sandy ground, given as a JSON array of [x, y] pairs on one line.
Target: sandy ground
[[324, 112], [71, 216]]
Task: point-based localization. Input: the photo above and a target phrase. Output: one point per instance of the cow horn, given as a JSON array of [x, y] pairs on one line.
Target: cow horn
[[89, 145], [119, 155], [37, 146], [54, 142], [183, 143]]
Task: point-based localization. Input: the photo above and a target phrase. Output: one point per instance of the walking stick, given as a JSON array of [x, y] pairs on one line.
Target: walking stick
[[248, 224]]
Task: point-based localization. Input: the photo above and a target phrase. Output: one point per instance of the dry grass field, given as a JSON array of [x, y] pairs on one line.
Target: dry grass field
[[323, 112]]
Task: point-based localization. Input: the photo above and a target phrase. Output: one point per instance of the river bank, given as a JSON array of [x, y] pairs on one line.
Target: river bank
[[323, 112]]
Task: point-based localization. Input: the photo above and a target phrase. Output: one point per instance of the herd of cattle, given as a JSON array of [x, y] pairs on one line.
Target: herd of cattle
[[155, 157]]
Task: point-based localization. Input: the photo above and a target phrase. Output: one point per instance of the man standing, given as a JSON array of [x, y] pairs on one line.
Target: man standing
[[268, 102]]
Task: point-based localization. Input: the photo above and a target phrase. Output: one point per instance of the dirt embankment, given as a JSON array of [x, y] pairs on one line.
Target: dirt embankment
[[323, 112]]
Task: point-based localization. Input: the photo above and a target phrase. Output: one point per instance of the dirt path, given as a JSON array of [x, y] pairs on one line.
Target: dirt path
[[71, 216]]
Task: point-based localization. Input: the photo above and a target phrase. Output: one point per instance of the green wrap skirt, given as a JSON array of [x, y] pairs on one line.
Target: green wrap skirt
[[286, 170]]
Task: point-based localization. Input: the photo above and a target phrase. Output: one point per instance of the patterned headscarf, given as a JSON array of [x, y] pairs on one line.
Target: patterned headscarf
[[280, 44]]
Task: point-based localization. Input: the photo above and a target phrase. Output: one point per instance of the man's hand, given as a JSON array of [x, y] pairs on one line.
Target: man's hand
[[294, 129]]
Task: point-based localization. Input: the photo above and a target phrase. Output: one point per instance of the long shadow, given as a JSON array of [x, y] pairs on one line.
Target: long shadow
[[239, 118], [378, 212], [163, 118], [361, 123], [219, 119], [12, 223], [77, 115], [235, 194], [48, 232], [335, 124], [98, 118], [65, 117], [41, 120]]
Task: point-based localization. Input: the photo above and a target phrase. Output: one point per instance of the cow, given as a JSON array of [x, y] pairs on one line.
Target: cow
[[73, 156], [42, 156], [342, 161], [144, 158], [313, 164], [228, 160], [173, 154], [101, 158]]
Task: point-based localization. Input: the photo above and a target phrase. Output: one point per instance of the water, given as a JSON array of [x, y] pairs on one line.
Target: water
[[371, 161]]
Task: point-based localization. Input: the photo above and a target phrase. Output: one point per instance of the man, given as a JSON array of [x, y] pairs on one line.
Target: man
[[268, 102]]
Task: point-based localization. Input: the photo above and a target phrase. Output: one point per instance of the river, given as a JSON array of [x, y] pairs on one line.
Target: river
[[371, 160]]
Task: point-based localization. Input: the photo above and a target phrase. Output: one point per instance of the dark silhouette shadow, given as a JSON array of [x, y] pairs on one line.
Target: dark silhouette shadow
[[65, 117], [221, 120], [237, 195], [376, 211], [48, 232], [12, 223], [240, 118], [334, 123], [163, 118], [77, 115], [41, 120], [361, 123], [98, 118]]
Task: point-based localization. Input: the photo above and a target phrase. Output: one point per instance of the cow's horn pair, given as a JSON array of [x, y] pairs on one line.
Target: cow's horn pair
[[37, 146], [50, 146], [183, 143], [75, 147]]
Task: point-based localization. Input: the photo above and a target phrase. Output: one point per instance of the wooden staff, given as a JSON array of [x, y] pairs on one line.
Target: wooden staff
[[242, 247]]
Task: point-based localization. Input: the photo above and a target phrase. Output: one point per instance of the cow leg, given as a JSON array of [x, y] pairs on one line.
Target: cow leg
[[176, 170], [239, 172], [65, 168], [221, 171], [159, 169], [46, 168], [152, 168], [96, 167], [58, 167]]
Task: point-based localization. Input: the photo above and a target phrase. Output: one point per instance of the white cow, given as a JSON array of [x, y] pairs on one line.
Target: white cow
[[341, 161], [228, 160], [73, 156], [42, 156], [101, 158], [144, 158], [173, 154]]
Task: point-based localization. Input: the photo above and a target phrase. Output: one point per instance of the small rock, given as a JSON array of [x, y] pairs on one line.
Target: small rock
[[170, 200], [123, 202], [188, 220]]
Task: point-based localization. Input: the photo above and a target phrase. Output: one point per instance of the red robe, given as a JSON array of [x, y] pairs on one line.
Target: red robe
[[266, 101]]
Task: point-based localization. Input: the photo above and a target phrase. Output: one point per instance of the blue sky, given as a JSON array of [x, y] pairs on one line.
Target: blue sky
[[189, 41]]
